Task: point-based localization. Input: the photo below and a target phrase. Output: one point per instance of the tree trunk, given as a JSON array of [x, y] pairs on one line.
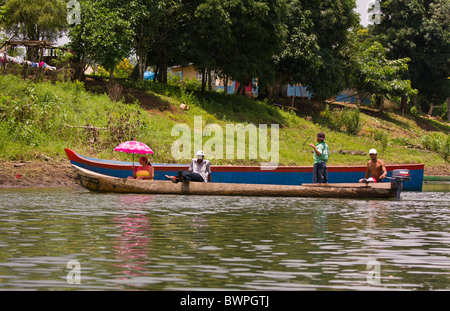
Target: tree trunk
[[111, 75], [225, 84], [239, 89], [262, 89], [243, 86], [430, 112], [135, 73], [404, 104], [379, 102], [79, 64], [156, 73], [142, 62], [209, 80], [203, 80], [163, 59], [448, 109]]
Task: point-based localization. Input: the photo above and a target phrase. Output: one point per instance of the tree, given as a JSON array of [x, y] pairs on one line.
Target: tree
[[256, 36], [299, 57], [141, 15], [207, 40], [104, 34], [167, 30], [235, 38], [420, 30], [315, 52], [374, 74], [34, 20]]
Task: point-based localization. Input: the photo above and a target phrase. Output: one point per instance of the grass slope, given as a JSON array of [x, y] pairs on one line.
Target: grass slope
[[39, 120]]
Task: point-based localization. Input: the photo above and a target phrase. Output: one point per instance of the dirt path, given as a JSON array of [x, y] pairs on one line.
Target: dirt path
[[149, 102]]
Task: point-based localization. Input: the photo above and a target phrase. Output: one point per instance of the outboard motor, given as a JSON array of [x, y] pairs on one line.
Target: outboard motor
[[398, 176], [401, 175]]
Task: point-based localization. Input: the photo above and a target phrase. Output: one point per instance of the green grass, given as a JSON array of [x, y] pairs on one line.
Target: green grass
[[34, 119]]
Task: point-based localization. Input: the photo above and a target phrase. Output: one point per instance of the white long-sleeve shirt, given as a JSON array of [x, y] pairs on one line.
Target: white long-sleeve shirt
[[204, 168]]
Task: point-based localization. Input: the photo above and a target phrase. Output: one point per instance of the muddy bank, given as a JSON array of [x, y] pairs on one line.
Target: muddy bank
[[35, 174], [59, 174]]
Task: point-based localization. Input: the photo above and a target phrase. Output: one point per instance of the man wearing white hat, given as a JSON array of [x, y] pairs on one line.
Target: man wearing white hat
[[375, 169], [199, 170]]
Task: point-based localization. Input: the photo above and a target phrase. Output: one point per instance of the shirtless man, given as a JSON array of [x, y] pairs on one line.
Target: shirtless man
[[375, 168]]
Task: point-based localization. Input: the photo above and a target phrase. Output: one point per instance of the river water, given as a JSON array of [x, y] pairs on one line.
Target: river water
[[72, 239]]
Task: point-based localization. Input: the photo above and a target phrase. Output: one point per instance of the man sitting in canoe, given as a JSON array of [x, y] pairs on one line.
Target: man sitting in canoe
[[375, 168], [199, 170]]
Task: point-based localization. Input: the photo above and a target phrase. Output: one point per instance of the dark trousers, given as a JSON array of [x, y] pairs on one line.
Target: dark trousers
[[191, 176], [320, 173]]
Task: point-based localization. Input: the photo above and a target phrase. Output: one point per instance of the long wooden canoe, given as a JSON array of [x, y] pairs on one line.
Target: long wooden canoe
[[237, 174], [103, 183]]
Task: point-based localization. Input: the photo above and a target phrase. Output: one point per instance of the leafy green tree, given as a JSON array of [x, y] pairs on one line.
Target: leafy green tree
[[143, 21], [104, 34], [316, 47], [299, 56], [256, 36], [207, 40], [420, 30], [169, 23], [235, 38], [79, 43], [332, 20], [374, 74], [35, 19]]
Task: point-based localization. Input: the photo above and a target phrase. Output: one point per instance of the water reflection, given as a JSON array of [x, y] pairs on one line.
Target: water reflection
[[134, 236], [187, 242]]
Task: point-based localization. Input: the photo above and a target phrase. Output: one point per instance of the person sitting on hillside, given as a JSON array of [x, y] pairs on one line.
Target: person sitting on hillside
[[375, 168], [145, 171], [199, 171]]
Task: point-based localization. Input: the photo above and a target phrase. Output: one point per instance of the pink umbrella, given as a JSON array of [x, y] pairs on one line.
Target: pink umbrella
[[133, 147]]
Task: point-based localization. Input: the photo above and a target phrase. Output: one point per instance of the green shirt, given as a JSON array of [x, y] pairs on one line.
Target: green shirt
[[322, 147]]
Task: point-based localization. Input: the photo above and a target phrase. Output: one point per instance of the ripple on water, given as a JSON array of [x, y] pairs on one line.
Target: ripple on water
[[188, 242]]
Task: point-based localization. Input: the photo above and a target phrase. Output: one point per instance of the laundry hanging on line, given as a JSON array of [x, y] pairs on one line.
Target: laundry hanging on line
[[19, 60]]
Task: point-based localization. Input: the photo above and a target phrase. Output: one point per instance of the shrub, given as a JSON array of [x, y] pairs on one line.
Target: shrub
[[349, 120], [346, 120], [382, 137], [123, 70], [437, 142], [414, 111], [174, 79], [326, 113], [192, 84], [402, 141]]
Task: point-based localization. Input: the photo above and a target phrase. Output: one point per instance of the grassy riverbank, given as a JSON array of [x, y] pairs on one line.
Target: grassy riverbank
[[39, 120]]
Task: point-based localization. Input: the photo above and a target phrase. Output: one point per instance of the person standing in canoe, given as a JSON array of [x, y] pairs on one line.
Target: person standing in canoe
[[375, 169], [145, 171], [199, 170], [321, 152]]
